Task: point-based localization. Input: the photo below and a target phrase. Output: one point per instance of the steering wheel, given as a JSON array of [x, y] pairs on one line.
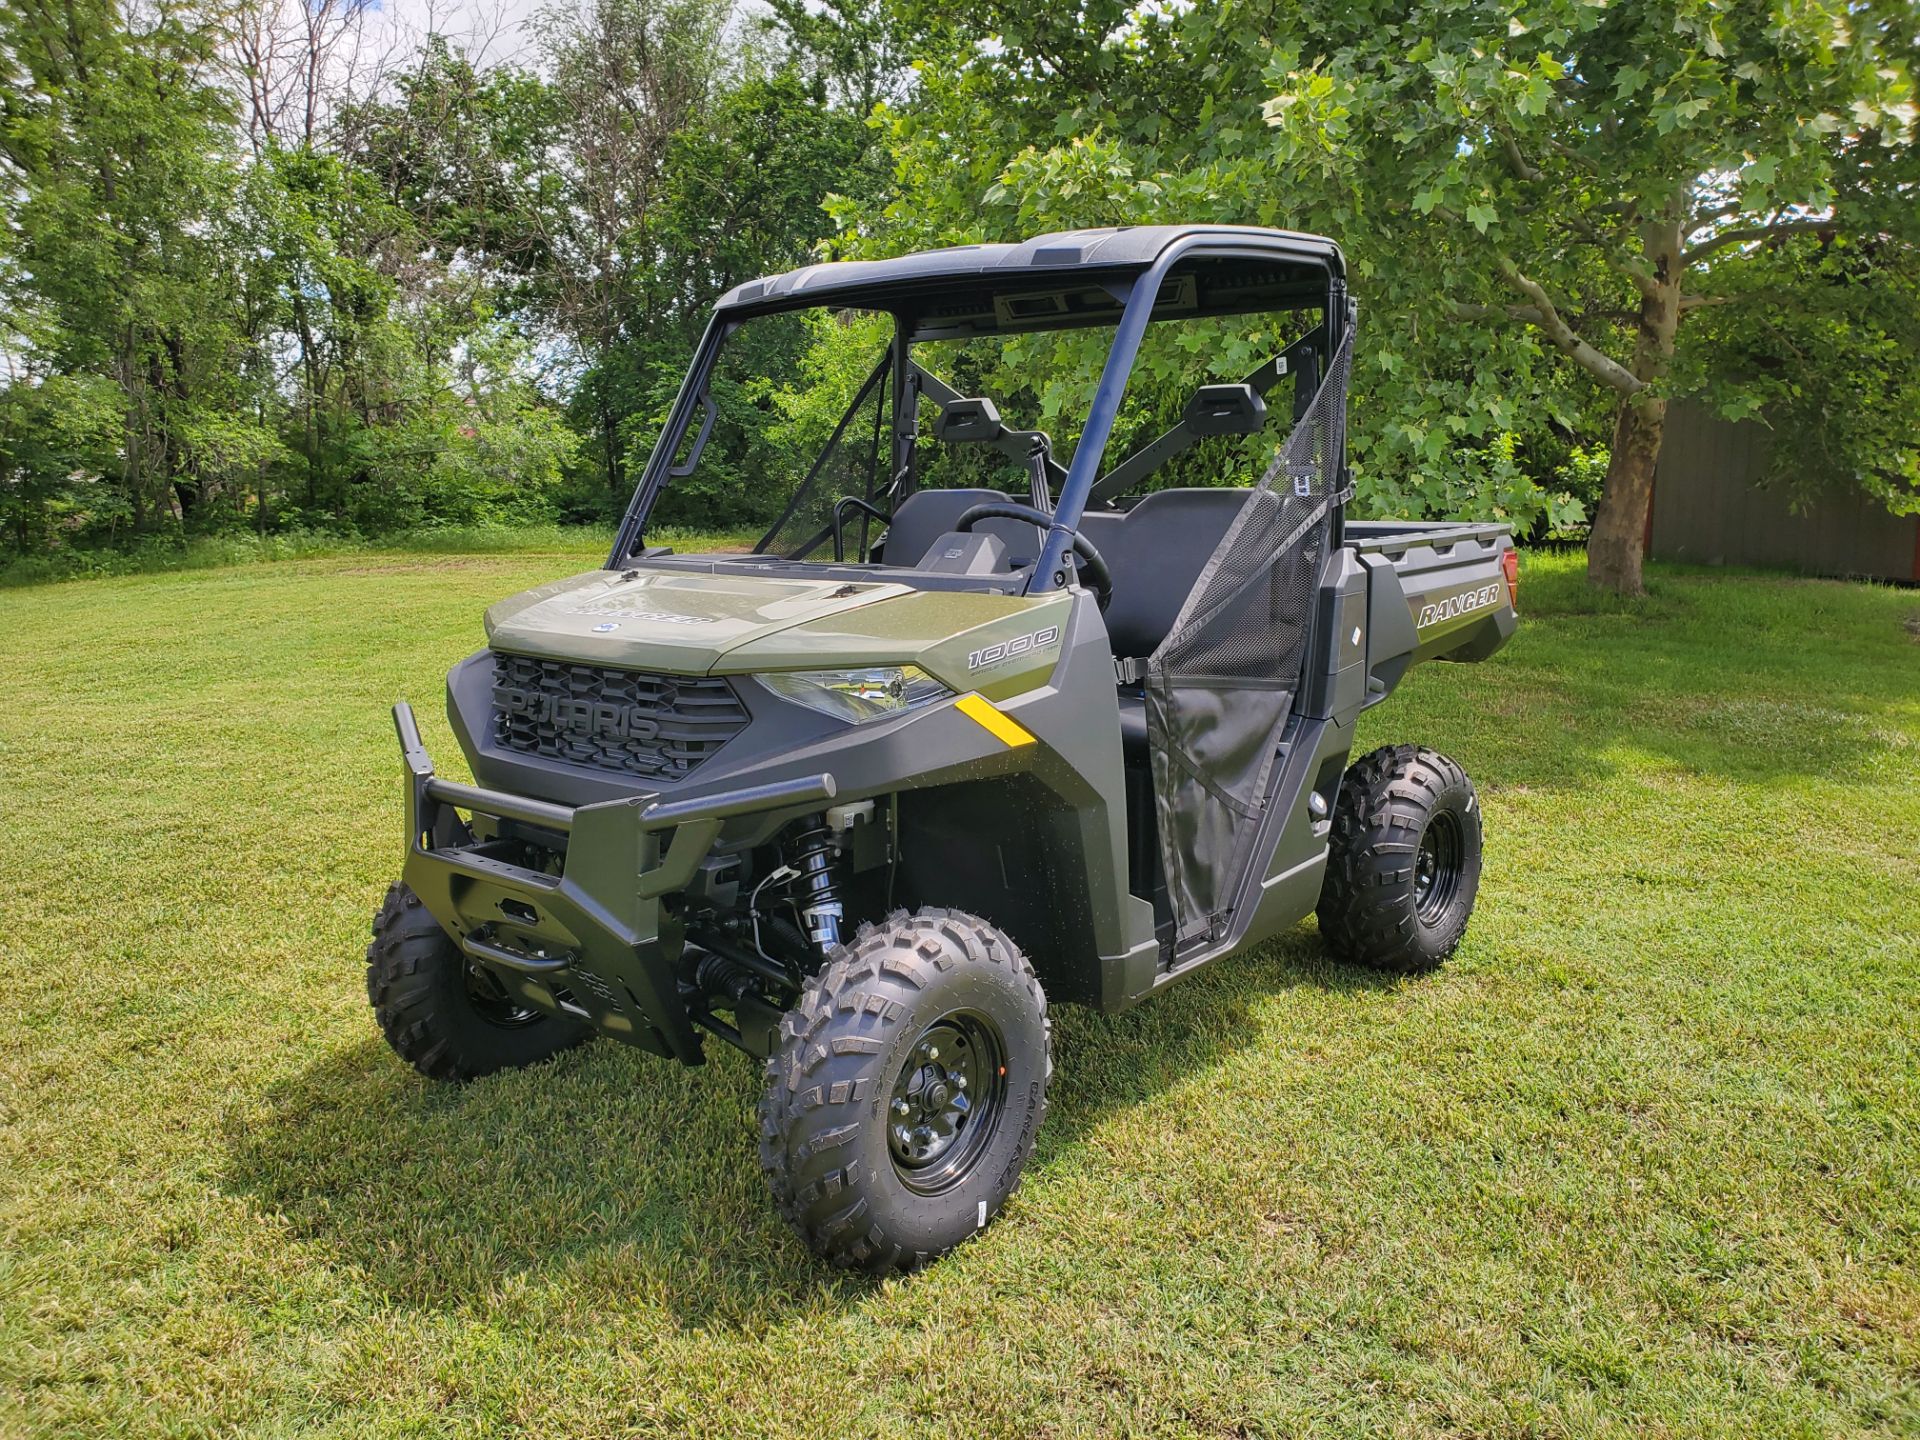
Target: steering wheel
[[1093, 567]]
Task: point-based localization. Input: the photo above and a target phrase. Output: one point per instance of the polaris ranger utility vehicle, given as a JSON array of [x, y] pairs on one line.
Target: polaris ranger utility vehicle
[[943, 749]]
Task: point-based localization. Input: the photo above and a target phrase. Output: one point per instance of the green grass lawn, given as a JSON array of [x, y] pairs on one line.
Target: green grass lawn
[[1643, 1158]]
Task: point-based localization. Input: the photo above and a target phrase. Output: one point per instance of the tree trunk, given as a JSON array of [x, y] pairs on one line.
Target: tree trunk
[[1615, 547], [261, 517], [126, 373], [310, 363], [610, 443], [1618, 541]]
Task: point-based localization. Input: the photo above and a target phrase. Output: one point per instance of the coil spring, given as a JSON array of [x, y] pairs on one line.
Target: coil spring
[[813, 853]]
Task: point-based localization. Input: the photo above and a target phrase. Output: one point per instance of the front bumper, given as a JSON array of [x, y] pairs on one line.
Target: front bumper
[[593, 939]]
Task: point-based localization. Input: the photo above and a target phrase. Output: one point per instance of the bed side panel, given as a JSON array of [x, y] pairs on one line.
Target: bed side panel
[[1434, 593]]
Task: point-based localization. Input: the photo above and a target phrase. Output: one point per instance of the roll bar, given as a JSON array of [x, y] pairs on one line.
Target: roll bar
[[1142, 293], [1050, 571]]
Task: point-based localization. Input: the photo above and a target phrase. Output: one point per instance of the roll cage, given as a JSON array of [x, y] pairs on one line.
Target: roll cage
[[1126, 278]]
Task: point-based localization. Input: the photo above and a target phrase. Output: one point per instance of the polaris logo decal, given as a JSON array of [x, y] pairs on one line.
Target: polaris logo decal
[[628, 612], [589, 719], [1455, 606], [1011, 649]]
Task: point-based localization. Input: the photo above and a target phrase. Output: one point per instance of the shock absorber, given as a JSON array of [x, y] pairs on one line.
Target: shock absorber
[[813, 854]]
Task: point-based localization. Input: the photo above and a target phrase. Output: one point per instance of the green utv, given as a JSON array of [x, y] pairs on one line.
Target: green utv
[[941, 749]]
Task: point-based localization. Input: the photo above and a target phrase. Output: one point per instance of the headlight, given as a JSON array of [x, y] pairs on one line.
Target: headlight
[[870, 692]]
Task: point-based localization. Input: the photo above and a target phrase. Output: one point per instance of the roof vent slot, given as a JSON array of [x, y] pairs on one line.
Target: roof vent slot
[[1011, 309]]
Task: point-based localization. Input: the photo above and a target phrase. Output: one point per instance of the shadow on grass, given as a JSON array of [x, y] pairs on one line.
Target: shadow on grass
[[1107, 1063], [627, 1179]]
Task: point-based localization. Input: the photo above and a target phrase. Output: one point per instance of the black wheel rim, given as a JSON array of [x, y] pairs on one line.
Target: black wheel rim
[[1436, 869], [946, 1101], [492, 1003]]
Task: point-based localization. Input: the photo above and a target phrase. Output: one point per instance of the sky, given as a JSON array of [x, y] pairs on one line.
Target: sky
[[493, 30]]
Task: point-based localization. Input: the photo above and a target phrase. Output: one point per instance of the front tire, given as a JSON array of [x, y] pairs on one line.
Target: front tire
[[904, 1096], [443, 1014], [1403, 865]]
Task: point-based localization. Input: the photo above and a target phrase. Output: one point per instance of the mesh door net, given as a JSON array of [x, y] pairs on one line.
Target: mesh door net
[[1221, 686]]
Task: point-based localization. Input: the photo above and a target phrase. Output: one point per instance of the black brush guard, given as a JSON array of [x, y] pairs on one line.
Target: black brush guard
[[592, 940]]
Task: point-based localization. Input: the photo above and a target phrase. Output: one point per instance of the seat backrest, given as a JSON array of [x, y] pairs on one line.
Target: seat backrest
[[1156, 552], [926, 515]]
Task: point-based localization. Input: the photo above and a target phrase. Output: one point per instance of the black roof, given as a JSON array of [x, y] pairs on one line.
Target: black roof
[[1130, 248]]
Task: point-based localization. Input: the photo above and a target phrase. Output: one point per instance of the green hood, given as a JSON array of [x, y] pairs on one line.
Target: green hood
[[687, 623], [665, 620]]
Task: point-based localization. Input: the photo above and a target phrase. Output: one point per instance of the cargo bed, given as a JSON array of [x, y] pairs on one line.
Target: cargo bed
[[1436, 590]]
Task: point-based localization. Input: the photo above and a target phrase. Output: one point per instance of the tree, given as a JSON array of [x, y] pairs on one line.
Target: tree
[[858, 50], [58, 434], [1030, 118], [1816, 340], [676, 168], [263, 267], [463, 151], [1593, 172], [295, 62], [1538, 203], [743, 197], [111, 136], [744, 188], [627, 76]]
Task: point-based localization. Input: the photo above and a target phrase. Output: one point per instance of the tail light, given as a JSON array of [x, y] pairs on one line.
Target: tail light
[[1510, 562]]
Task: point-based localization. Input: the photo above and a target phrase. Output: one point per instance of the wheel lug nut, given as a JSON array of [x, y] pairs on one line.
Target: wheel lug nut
[[900, 1107], [902, 1136], [959, 1082], [922, 1135], [933, 1052]]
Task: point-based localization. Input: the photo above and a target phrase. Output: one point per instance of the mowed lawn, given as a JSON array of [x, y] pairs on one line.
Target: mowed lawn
[[1644, 1158]]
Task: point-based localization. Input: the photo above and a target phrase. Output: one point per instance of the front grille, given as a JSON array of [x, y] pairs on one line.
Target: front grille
[[659, 727]]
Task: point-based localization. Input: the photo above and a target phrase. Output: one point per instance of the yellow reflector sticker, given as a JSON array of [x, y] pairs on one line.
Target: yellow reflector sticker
[[980, 710]]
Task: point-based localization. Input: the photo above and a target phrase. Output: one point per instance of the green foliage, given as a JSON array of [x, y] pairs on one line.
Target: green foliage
[[1599, 177], [841, 350], [218, 337], [120, 251], [58, 438], [463, 297], [742, 199], [1817, 342], [742, 194], [854, 51], [1506, 183], [467, 293], [1163, 123]]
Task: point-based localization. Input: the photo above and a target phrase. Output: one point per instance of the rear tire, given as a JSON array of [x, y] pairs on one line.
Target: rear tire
[[441, 1013], [906, 1090], [1403, 865]]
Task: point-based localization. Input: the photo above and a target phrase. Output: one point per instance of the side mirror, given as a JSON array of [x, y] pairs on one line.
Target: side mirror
[[969, 422], [1225, 410]]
